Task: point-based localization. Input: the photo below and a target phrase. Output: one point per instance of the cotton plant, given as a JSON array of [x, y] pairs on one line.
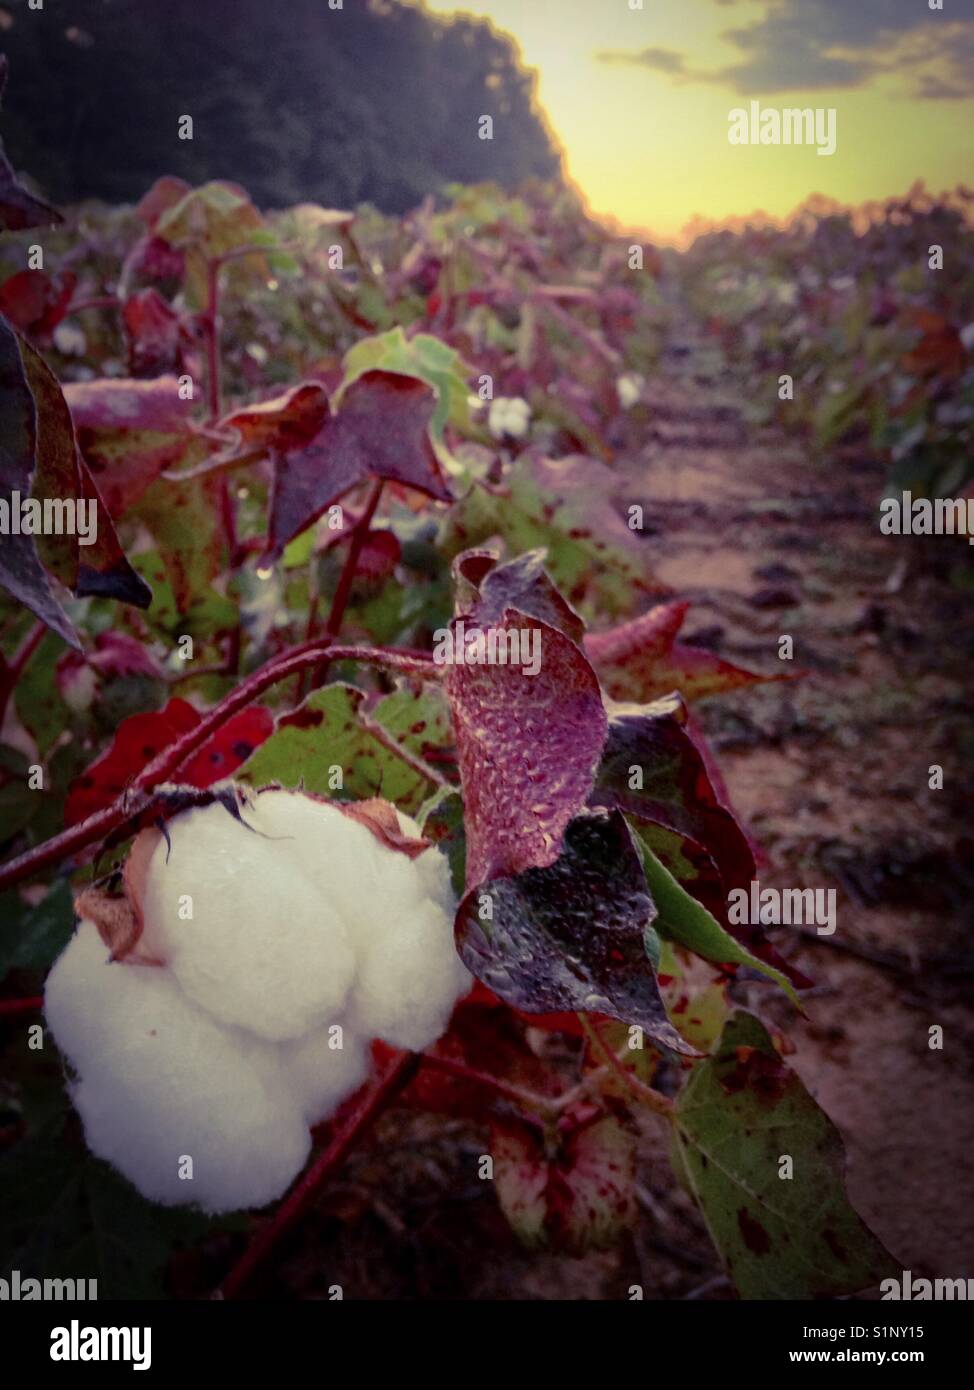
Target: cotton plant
[[265, 952]]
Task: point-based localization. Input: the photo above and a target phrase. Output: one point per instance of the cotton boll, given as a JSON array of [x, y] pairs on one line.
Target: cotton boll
[[409, 980], [322, 1075], [509, 416], [629, 389], [262, 948], [162, 1082], [367, 882]]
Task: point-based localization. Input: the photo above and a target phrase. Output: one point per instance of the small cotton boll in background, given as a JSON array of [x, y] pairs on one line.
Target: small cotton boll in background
[[160, 1080], [629, 388], [509, 416]]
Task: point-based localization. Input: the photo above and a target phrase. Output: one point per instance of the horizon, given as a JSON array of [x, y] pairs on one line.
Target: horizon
[[893, 71]]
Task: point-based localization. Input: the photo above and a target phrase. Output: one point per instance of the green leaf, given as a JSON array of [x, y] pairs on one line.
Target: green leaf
[[423, 356], [37, 935], [68, 1216], [564, 507], [327, 732], [741, 1114], [684, 920]]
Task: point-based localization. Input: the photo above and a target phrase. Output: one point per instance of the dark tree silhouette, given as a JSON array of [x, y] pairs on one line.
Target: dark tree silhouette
[[377, 101]]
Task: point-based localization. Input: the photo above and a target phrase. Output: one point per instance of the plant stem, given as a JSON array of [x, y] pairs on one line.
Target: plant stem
[[346, 579], [396, 1077], [653, 1100], [526, 1099], [211, 327], [12, 673], [9, 1007], [162, 767]]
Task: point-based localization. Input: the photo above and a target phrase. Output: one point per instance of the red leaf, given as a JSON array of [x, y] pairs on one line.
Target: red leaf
[[137, 742], [229, 747], [641, 660], [129, 432], [36, 302], [381, 430], [579, 1197], [164, 194], [151, 334], [140, 738]]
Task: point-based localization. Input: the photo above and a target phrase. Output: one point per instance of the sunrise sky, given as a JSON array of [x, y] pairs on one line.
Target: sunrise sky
[[639, 99]]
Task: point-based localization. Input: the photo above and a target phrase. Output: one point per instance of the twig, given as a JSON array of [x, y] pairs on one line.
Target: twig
[[302, 1195], [347, 577], [654, 1100], [528, 1100], [165, 764]]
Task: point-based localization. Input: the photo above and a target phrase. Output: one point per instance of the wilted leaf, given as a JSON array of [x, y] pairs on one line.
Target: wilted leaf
[[651, 769], [129, 432], [35, 302], [21, 571], [580, 1197], [641, 660], [741, 1113], [572, 935], [421, 356], [100, 567], [381, 431]]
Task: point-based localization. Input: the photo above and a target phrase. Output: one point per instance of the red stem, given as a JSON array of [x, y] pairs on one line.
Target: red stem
[[13, 672], [210, 322], [9, 1007], [165, 764], [347, 578], [526, 1099], [396, 1077]]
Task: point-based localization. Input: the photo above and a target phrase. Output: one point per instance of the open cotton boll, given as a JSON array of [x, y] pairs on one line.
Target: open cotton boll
[[262, 948], [162, 1083], [509, 416], [321, 1074], [409, 980]]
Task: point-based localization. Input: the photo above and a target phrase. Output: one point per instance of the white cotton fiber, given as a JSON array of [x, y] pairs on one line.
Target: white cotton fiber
[[261, 948], [320, 1073], [162, 1082], [305, 930]]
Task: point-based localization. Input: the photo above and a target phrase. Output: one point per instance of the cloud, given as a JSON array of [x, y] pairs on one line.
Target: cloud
[[809, 44]]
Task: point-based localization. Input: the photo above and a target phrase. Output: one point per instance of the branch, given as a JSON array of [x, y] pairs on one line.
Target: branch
[[396, 1077], [654, 1100], [163, 767]]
